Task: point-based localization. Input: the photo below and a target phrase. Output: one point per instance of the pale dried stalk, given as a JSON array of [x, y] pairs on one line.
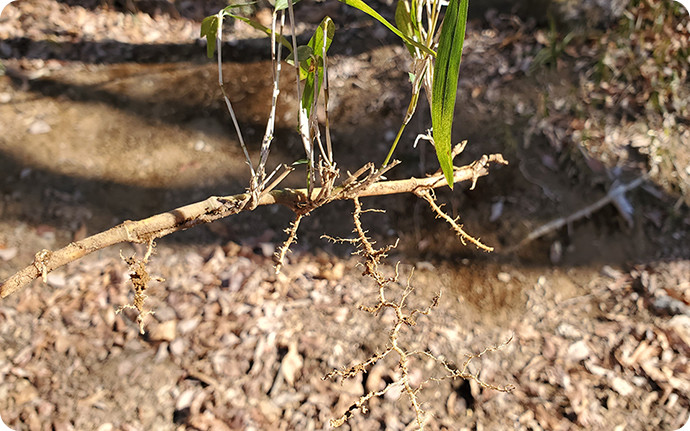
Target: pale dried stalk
[[219, 44], [303, 121], [276, 54]]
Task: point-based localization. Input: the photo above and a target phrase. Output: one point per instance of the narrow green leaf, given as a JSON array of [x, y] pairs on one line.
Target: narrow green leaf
[[359, 4], [226, 10], [445, 84], [413, 19], [281, 39], [404, 22], [209, 29]]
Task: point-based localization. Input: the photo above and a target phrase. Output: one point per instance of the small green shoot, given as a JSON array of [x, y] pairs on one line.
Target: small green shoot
[[209, 27], [209, 30]]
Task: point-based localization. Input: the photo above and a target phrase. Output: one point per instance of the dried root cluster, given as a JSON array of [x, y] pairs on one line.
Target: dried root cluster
[[404, 317]]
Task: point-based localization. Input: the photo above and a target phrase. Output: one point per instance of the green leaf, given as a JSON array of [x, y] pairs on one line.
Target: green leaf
[[209, 30], [300, 162], [311, 90], [311, 61], [319, 42], [359, 4], [283, 4], [305, 53], [445, 84]]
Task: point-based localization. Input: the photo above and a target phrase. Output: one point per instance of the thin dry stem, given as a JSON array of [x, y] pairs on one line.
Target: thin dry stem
[[276, 50], [217, 207], [219, 44]]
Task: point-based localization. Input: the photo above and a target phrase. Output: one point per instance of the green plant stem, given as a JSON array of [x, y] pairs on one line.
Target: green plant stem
[[395, 143]]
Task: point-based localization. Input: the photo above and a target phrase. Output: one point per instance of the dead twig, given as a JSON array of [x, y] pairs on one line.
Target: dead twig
[[558, 223]]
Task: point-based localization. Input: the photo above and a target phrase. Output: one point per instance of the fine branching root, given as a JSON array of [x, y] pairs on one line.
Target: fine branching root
[[279, 256], [464, 373], [140, 278], [328, 174], [354, 185], [477, 169], [404, 317], [428, 195]]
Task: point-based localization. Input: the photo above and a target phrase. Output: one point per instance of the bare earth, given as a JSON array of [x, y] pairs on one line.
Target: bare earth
[[108, 115]]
